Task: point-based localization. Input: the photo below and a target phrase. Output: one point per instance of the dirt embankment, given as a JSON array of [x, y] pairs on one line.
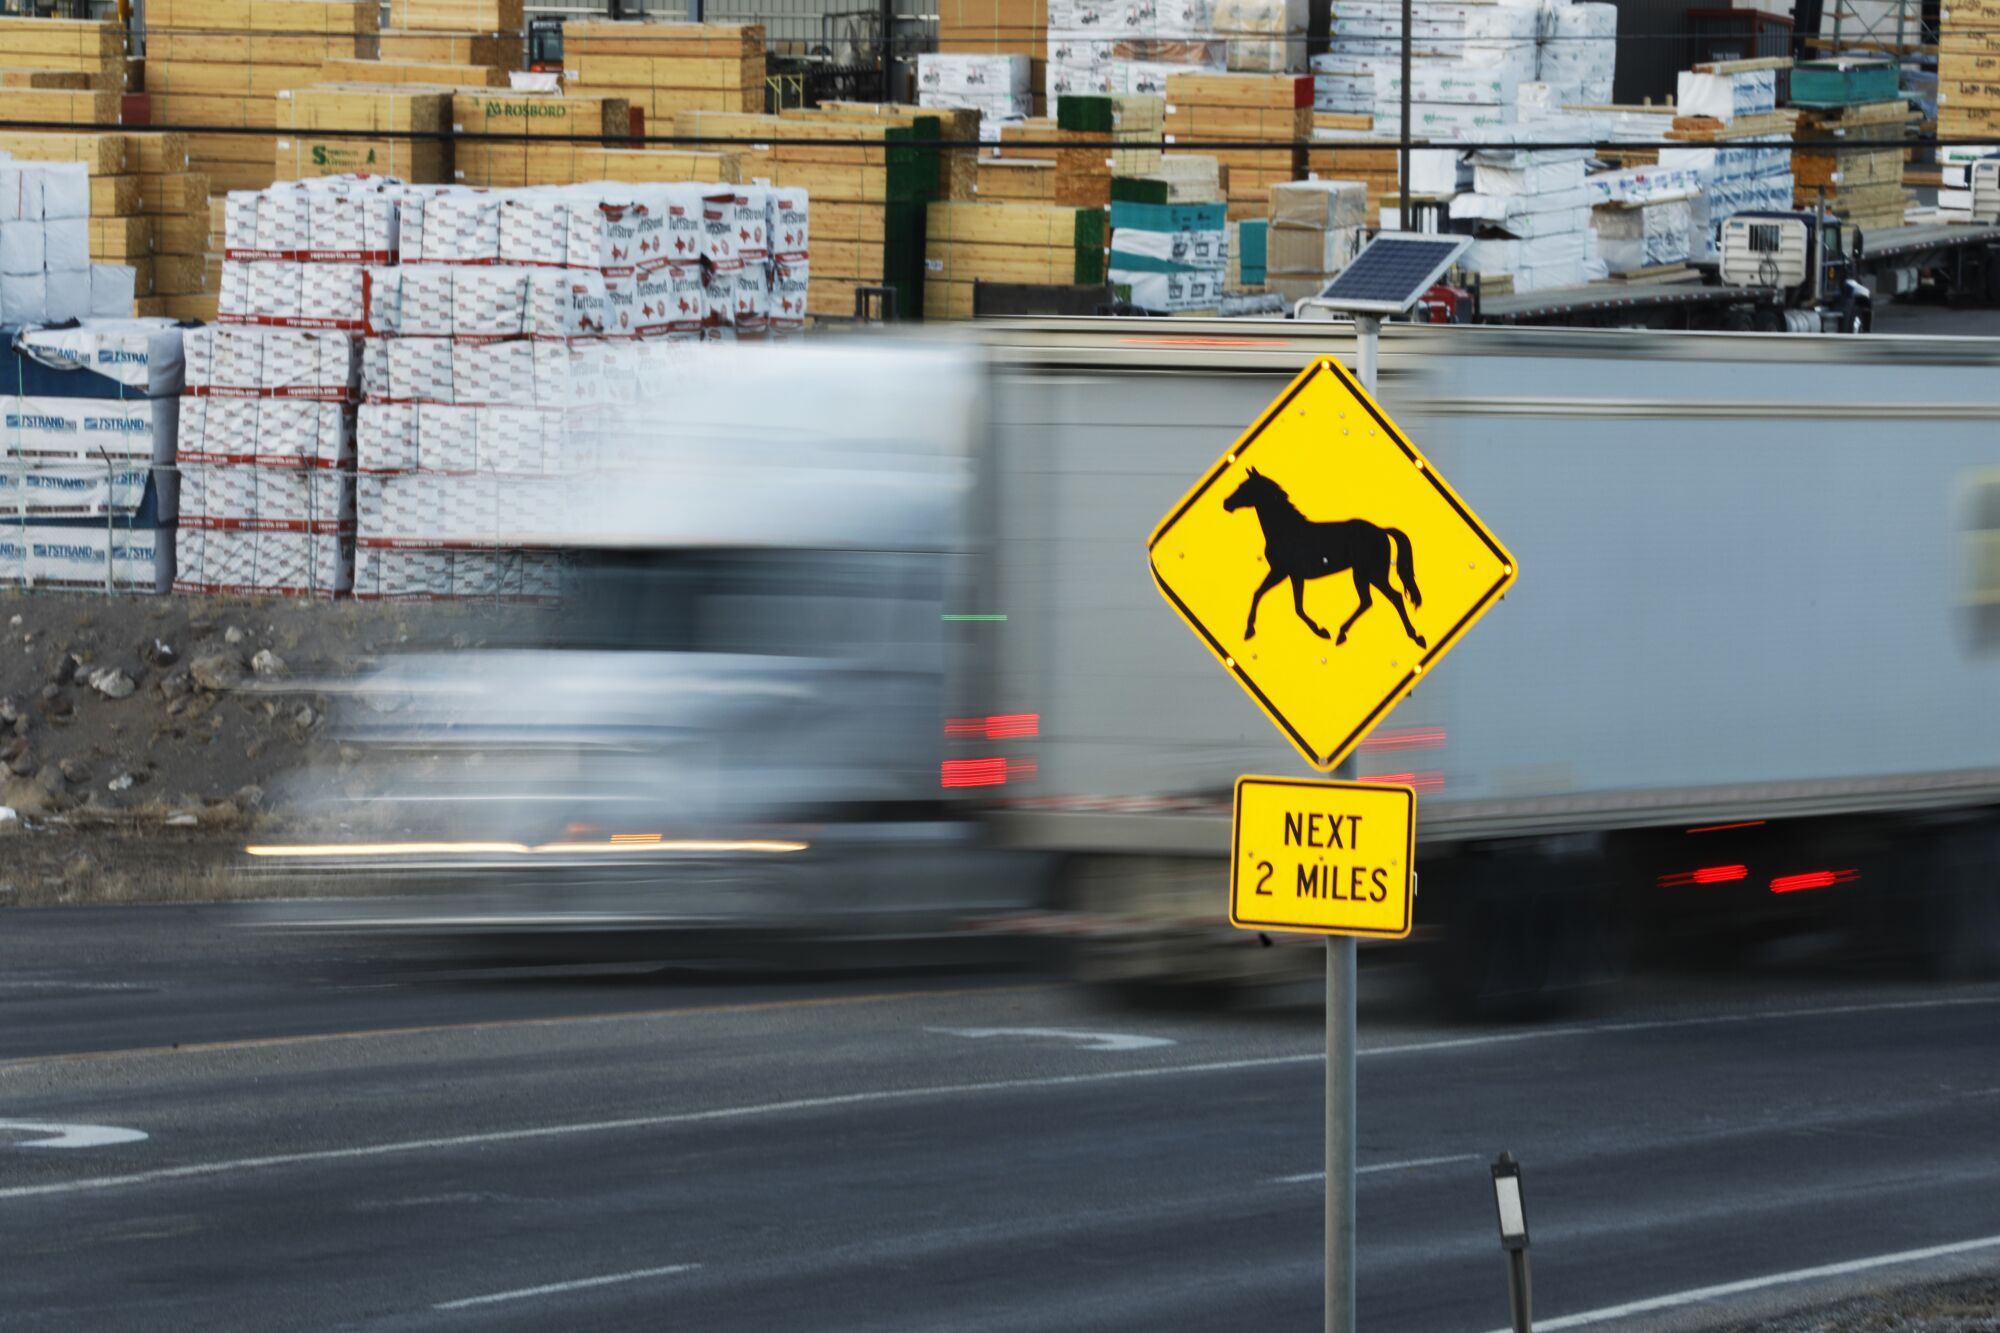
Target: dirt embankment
[[140, 736]]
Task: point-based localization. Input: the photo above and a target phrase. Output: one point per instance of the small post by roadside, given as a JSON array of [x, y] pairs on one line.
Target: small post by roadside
[[1513, 1238]]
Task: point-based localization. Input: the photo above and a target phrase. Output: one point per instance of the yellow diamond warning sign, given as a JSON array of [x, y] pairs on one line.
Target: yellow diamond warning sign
[[1326, 563], [1332, 858]]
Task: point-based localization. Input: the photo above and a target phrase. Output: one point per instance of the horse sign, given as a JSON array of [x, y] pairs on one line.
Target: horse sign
[[1386, 566]]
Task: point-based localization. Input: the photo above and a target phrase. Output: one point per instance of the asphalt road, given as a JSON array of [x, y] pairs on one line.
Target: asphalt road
[[335, 1143]]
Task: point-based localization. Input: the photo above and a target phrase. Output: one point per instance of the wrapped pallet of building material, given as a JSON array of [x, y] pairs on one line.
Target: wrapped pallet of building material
[[1263, 36], [1727, 95], [1531, 211], [88, 491], [45, 227], [1638, 236], [1098, 47], [1579, 52], [1316, 229], [996, 86]]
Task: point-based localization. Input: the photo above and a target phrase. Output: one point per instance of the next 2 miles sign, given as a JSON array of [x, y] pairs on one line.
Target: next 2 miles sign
[[1329, 858]]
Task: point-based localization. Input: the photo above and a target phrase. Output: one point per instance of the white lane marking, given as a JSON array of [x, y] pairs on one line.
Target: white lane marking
[[1670, 1024], [721, 1113], [1087, 1041], [1410, 1165], [557, 1288], [70, 1136], [900, 1094], [1697, 1295]]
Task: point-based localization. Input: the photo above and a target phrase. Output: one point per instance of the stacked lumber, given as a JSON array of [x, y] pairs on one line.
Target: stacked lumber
[[437, 73], [94, 48], [1862, 176], [119, 233], [958, 169], [967, 243], [1134, 123], [494, 50], [1375, 169], [868, 181], [1035, 129], [1756, 125], [304, 148], [175, 202], [455, 16], [657, 166], [999, 27], [667, 68], [1968, 96], [58, 106], [28, 77], [1270, 115], [221, 64], [540, 138], [1017, 179]]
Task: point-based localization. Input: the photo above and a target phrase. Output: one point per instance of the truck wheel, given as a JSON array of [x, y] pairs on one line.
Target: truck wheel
[[1523, 935], [1954, 912]]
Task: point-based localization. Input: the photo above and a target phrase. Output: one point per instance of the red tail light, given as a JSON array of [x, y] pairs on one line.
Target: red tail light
[[973, 773], [1705, 875], [1421, 782], [999, 726], [1813, 879], [1414, 738]]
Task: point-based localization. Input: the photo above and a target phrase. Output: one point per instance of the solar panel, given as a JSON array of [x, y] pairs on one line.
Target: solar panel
[[1391, 272]]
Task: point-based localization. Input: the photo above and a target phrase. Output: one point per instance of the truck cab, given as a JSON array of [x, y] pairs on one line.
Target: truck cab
[[1807, 261]]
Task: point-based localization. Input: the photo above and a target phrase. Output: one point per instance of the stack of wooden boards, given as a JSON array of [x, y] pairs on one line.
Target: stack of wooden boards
[[222, 63], [1968, 96], [968, 243], [1085, 163], [91, 48], [1375, 168], [1857, 162], [1253, 123], [147, 210], [450, 43], [663, 69], [315, 127]]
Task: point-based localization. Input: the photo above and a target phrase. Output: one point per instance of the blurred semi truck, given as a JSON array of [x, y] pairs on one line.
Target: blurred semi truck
[[1748, 683]]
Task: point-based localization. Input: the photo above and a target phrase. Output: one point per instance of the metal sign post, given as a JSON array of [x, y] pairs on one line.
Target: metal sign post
[[1325, 486]]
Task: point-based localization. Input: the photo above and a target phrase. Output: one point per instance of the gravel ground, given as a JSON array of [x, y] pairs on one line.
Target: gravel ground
[[1960, 1305]]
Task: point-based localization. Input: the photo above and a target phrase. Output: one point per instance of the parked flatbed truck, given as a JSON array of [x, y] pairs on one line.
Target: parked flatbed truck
[[1953, 262]]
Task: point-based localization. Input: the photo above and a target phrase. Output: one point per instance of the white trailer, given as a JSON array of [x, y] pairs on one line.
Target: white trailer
[[1757, 598]]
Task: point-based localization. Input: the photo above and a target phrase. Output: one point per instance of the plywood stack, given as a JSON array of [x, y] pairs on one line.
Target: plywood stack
[[1168, 258], [1191, 178], [656, 165], [667, 68], [1376, 168], [1268, 115], [1000, 27], [967, 243], [94, 48], [536, 138], [869, 179], [1862, 177], [221, 64], [439, 73], [316, 127]]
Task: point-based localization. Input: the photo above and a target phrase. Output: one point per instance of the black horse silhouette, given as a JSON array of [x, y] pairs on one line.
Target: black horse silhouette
[[1299, 549]]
